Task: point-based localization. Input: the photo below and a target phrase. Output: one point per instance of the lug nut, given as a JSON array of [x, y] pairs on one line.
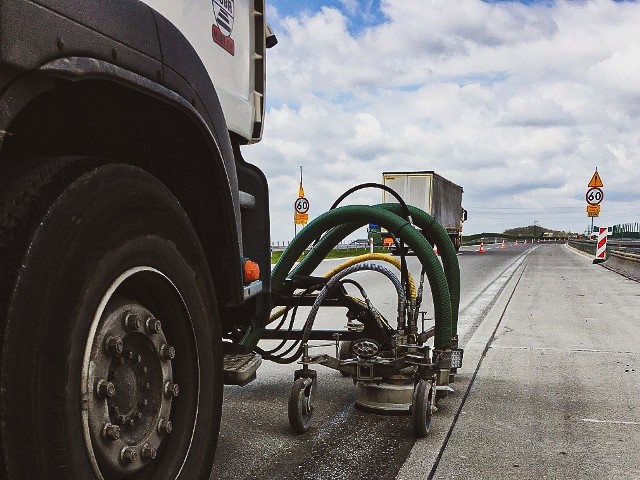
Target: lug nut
[[111, 432], [164, 426], [113, 345], [149, 452], [167, 352], [105, 389], [143, 403], [130, 355], [171, 389], [131, 422], [133, 322], [145, 386], [128, 455], [137, 358], [139, 415], [153, 325], [121, 419], [143, 370]]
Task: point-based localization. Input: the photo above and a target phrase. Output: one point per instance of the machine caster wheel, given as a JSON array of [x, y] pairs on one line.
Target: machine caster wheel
[[344, 353], [301, 404], [423, 394]]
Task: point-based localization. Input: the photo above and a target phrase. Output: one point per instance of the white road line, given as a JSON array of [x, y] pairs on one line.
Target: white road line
[[472, 314], [612, 422], [554, 349]]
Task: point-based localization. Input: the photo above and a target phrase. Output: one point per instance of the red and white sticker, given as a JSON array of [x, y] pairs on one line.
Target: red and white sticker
[[222, 29]]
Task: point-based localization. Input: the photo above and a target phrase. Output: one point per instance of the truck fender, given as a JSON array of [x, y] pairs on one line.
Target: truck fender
[[124, 42]]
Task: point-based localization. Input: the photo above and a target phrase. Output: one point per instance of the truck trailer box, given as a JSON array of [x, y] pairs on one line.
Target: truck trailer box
[[432, 193]]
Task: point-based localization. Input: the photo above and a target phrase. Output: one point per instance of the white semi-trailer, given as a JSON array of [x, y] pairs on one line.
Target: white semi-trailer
[[432, 193]]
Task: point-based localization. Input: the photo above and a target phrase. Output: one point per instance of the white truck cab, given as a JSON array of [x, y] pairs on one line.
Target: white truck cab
[[229, 37], [134, 237]]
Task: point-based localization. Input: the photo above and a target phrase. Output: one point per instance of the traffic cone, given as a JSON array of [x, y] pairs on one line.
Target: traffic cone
[[516, 243], [481, 247], [503, 245], [525, 241]]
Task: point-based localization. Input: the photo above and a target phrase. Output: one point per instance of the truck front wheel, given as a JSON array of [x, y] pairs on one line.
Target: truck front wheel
[[111, 356]]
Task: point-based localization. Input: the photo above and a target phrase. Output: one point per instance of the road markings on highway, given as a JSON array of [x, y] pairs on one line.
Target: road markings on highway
[[474, 312], [611, 422], [575, 350]]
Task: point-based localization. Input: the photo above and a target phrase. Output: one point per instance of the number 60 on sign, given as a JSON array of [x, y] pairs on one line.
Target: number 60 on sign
[[301, 205], [594, 196]]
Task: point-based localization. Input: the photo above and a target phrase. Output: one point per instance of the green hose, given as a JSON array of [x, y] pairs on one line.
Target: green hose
[[360, 214], [431, 229], [436, 233], [327, 243]]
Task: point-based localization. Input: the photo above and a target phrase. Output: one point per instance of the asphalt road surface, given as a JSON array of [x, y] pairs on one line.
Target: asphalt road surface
[[557, 391], [344, 443]]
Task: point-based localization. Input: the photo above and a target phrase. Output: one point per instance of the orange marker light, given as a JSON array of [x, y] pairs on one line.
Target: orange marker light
[[251, 271]]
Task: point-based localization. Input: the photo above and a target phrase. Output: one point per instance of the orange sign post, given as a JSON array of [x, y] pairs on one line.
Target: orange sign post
[[594, 197]]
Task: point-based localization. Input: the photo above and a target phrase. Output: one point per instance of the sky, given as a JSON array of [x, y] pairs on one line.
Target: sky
[[517, 102]]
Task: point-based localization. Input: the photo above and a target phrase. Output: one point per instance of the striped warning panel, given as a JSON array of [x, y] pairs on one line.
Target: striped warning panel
[[601, 249]]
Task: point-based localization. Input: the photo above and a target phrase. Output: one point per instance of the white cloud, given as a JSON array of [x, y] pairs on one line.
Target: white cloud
[[516, 103], [618, 73]]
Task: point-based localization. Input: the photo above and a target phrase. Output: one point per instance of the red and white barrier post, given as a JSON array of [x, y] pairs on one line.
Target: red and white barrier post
[[601, 248]]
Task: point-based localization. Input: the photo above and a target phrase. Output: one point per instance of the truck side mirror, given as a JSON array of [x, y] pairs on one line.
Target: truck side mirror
[[270, 39]]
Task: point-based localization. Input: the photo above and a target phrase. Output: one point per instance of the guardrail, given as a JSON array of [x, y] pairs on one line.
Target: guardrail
[[348, 245], [587, 246], [621, 256], [624, 263], [486, 236]]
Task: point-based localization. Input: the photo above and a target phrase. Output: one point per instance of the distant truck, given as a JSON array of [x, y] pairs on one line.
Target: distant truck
[[432, 193]]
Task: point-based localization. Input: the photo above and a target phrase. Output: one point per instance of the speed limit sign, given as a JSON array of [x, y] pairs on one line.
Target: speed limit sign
[[594, 196], [301, 205]]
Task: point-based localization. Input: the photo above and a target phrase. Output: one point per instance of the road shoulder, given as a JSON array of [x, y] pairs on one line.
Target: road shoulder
[[427, 451], [556, 393]]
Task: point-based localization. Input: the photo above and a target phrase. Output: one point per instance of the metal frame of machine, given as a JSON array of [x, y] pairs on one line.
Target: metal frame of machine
[[394, 369]]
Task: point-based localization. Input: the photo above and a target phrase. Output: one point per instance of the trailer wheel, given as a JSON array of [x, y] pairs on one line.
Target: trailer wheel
[[111, 338], [421, 407], [301, 404]]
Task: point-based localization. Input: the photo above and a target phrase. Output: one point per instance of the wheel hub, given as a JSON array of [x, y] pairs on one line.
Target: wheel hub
[[131, 375]]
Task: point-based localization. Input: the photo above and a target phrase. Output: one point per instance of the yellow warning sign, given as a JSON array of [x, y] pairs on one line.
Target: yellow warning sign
[[302, 218], [593, 210], [595, 180]]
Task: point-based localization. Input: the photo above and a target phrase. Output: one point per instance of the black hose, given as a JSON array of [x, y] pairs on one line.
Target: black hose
[[362, 186]]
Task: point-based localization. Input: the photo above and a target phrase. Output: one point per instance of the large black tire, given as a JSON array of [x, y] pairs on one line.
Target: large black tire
[[83, 245]]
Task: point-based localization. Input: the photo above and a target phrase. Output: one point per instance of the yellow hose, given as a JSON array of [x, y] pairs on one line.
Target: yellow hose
[[373, 256], [353, 261]]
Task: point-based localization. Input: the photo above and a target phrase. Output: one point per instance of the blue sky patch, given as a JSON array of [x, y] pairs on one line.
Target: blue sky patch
[[361, 14], [526, 2]]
